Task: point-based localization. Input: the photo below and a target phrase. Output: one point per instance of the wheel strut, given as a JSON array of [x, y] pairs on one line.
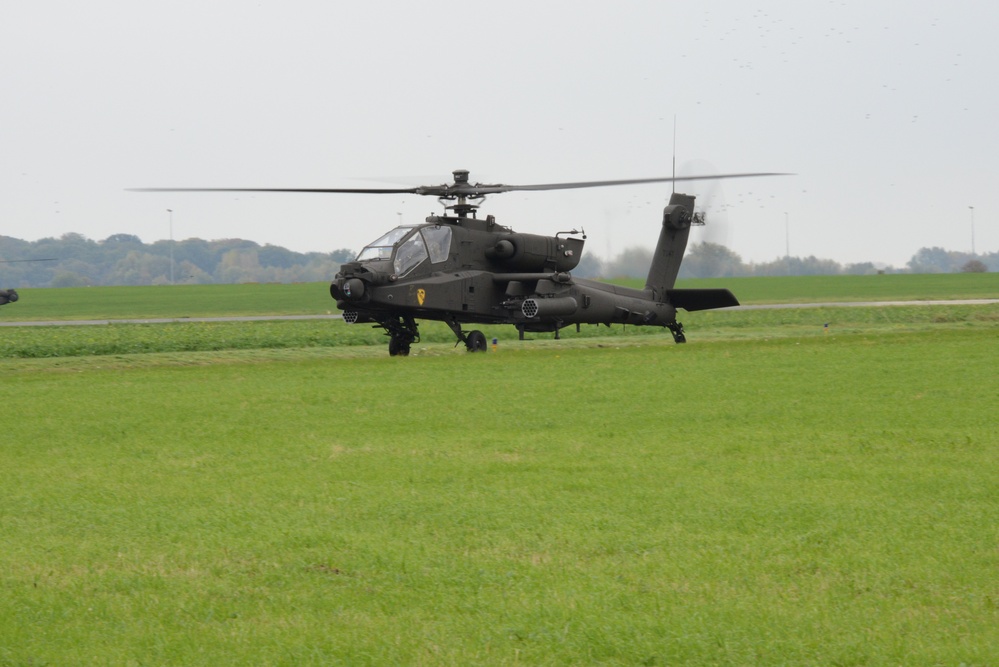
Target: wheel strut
[[402, 332], [676, 328], [475, 340]]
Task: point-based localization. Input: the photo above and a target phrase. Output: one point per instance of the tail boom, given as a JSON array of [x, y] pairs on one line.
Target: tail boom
[[677, 217]]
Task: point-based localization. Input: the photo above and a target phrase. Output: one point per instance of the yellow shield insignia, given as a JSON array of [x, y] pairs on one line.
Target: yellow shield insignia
[[421, 294]]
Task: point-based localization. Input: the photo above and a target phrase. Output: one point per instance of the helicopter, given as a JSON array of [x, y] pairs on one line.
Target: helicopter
[[463, 269]]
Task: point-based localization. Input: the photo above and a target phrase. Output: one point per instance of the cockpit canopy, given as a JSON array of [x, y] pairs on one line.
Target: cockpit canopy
[[408, 246]]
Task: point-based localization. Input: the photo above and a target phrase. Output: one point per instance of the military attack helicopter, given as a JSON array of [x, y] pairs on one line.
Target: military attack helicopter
[[460, 269]]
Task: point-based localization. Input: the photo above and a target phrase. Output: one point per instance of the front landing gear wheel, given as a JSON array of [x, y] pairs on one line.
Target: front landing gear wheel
[[475, 341], [397, 348], [402, 332]]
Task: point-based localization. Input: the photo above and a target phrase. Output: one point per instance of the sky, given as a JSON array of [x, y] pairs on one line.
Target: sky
[[885, 113]]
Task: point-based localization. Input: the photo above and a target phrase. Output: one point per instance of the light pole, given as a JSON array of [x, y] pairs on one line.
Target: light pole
[[170, 211], [972, 209]]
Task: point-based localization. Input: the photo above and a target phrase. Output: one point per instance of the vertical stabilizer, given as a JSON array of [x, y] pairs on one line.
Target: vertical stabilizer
[[672, 244]]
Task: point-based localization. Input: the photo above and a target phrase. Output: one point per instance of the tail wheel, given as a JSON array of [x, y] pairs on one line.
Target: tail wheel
[[475, 341]]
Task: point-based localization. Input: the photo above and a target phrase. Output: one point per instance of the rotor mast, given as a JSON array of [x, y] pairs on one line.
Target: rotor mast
[[461, 207]]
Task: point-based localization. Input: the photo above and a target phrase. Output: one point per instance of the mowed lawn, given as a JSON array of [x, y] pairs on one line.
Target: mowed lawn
[[830, 499]]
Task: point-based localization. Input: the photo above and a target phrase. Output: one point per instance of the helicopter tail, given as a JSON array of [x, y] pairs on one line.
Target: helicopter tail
[[677, 217]]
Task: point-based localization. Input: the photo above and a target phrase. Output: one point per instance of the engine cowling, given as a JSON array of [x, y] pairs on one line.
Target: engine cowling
[[536, 253]]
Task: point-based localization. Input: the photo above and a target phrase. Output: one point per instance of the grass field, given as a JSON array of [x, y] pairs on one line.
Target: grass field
[[774, 492], [82, 303]]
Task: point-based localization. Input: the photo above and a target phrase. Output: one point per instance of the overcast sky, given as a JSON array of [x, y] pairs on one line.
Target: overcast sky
[[886, 112]]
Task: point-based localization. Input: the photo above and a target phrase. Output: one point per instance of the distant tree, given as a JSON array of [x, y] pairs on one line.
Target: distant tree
[[188, 273], [239, 266], [778, 267], [68, 279], [81, 273], [11, 248], [123, 238], [203, 254], [589, 266], [140, 268], [633, 262], [272, 255], [74, 238], [711, 260], [813, 266], [342, 255], [861, 269], [236, 244], [974, 266], [931, 260]]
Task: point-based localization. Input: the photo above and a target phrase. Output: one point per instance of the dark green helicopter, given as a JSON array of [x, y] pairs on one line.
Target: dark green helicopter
[[461, 269]]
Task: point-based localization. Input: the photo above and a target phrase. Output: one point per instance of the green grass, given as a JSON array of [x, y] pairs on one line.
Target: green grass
[[123, 338], [777, 491], [81, 303], [822, 500], [173, 301]]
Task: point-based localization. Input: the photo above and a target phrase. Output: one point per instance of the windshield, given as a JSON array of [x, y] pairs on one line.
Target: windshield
[[411, 252], [382, 248], [431, 241], [438, 242]]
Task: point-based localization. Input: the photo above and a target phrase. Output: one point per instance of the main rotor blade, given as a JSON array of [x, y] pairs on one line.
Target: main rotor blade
[[40, 259], [629, 181], [467, 189], [377, 191]]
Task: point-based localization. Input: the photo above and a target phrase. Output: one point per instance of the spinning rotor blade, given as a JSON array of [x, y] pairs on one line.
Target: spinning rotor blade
[[716, 228], [41, 259], [376, 191], [629, 181], [462, 188], [710, 205]]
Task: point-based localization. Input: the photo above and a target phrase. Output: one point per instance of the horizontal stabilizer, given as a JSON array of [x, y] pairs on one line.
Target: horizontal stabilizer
[[701, 299]]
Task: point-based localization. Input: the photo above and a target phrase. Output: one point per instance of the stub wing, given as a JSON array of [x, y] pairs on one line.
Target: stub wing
[[701, 299]]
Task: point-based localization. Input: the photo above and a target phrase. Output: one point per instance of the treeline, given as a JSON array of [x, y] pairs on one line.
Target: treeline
[[710, 260], [73, 260]]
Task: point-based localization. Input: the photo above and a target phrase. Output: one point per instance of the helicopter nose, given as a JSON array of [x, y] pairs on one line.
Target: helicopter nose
[[353, 288]]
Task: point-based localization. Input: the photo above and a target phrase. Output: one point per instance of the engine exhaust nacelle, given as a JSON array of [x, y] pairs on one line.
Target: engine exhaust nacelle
[[531, 252]]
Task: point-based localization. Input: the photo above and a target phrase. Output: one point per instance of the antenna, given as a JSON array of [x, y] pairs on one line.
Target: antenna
[[674, 153]]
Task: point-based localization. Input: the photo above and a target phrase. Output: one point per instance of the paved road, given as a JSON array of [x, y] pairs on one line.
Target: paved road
[[865, 304], [263, 318]]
